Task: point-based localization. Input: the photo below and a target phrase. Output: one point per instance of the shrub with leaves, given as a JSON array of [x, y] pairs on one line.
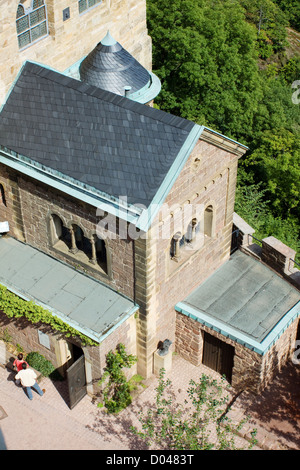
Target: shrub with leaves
[[41, 364], [200, 423], [116, 392]]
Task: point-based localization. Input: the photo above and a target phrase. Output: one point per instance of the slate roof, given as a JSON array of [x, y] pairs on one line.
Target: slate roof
[[245, 300], [109, 142], [80, 301], [110, 67]]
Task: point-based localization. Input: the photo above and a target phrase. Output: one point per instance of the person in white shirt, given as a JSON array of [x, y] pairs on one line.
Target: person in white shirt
[[28, 381]]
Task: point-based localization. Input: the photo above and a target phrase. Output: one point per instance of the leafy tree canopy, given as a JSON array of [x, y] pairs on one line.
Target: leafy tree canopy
[[205, 55], [292, 10]]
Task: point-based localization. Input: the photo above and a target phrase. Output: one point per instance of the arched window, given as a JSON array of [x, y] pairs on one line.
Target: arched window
[[2, 196], [59, 233], [192, 230], [176, 241], [31, 23], [101, 254], [208, 221]]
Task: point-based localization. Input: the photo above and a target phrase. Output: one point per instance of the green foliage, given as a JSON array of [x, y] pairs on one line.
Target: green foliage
[[206, 57], [210, 56], [189, 426], [251, 204], [116, 392], [41, 364], [5, 336], [270, 22], [292, 10], [276, 163], [14, 307]]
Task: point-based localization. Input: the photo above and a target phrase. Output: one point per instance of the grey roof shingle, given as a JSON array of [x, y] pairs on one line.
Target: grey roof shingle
[[110, 67], [109, 142]]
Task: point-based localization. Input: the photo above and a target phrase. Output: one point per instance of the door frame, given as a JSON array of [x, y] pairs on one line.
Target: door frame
[[218, 355]]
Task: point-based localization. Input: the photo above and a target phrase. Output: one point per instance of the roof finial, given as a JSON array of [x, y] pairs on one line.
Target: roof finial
[[108, 40]]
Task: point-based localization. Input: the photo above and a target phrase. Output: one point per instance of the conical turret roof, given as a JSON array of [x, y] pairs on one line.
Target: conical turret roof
[[110, 67]]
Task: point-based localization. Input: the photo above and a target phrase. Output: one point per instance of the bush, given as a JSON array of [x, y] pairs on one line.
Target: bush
[[41, 364]]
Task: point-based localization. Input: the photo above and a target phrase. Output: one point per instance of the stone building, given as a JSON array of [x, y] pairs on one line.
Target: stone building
[[120, 215]]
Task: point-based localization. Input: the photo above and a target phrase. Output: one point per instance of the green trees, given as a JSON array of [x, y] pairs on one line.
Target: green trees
[[205, 54], [292, 10], [270, 23], [277, 163], [227, 65]]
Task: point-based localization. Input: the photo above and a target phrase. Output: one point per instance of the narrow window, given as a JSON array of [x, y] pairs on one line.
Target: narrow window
[[2, 196], [31, 23], [101, 254], [84, 5], [208, 221], [192, 231], [60, 234], [176, 243]]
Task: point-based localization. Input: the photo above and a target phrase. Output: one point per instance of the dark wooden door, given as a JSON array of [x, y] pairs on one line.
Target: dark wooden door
[[218, 355], [76, 381]]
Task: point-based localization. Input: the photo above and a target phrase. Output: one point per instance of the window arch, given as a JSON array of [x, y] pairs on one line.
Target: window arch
[[59, 233], [73, 242], [208, 221], [2, 196], [31, 23]]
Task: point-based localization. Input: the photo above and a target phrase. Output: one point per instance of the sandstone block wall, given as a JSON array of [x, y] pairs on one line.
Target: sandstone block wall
[[251, 370], [71, 40], [207, 179]]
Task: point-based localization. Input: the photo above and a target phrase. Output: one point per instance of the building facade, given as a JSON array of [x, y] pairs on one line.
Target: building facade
[[131, 202]]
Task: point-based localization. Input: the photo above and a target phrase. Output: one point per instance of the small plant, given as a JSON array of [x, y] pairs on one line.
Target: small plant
[[201, 423], [116, 392], [41, 364], [19, 348], [136, 380], [6, 337]]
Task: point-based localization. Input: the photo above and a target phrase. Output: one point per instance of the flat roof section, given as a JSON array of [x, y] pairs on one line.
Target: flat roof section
[[246, 301], [80, 301]]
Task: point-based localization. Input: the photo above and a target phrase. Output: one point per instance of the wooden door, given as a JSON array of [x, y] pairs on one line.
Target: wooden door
[[218, 355], [76, 381]]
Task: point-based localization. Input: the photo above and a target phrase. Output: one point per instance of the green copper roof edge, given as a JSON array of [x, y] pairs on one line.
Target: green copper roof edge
[[227, 138], [148, 215], [110, 206], [122, 320], [77, 326], [147, 93], [69, 180], [235, 335]]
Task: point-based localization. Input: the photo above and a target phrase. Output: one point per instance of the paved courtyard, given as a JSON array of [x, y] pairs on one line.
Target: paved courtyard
[[47, 423]]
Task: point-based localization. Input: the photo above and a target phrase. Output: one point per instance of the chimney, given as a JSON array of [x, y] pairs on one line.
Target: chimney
[[127, 90]]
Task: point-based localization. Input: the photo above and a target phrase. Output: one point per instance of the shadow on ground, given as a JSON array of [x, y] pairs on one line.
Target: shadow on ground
[[277, 408]]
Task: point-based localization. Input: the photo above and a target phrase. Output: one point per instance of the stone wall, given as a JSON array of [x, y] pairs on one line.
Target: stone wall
[[207, 179], [251, 370], [71, 40], [272, 252], [28, 209]]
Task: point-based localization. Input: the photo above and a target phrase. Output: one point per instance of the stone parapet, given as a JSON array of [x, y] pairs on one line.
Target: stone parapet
[[277, 255]]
